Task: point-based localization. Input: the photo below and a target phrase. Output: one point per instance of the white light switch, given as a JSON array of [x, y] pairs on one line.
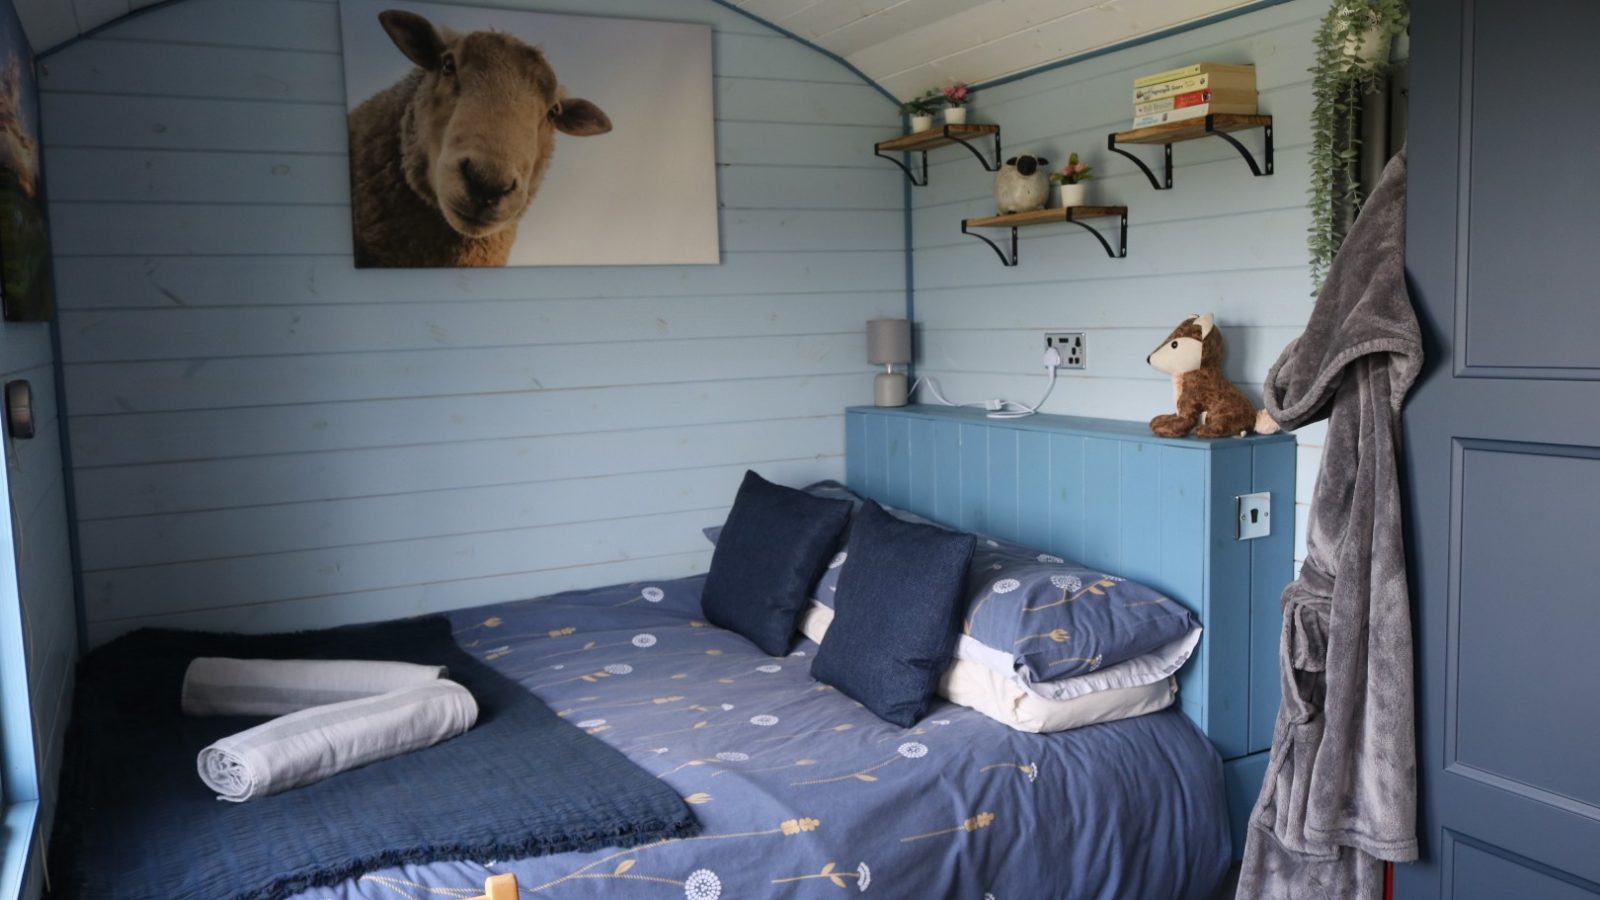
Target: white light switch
[[1255, 515]]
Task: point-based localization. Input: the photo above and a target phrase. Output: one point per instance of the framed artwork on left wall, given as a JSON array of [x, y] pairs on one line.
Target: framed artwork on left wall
[[26, 287]]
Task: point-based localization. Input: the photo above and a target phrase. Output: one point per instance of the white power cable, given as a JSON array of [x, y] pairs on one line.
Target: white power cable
[[1000, 409]]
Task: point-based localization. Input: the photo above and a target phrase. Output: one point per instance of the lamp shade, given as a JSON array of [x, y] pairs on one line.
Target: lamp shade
[[889, 341]]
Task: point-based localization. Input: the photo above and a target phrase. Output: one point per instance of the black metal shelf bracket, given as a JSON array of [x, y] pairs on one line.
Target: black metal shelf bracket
[[1165, 182], [1266, 155], [988, 166], [911, 174], [1005, 260], [1122, 236], [1009, 260]]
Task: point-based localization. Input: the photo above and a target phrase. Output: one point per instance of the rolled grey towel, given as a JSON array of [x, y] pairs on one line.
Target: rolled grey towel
[[216, 686], [308, 746]]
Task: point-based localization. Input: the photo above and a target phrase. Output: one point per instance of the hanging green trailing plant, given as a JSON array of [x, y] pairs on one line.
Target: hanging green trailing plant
[[1352, 60]]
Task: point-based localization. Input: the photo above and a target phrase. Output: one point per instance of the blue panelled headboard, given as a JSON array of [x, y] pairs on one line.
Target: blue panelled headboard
[[1111, 495]]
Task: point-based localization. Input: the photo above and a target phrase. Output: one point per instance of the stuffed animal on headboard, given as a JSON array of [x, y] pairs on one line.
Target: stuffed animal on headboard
[[1208, 403]]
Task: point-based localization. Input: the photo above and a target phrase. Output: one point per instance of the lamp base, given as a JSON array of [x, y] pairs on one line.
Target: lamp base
[[889, 389]]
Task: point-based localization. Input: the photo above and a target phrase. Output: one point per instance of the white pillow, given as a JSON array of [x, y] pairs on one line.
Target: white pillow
[[1047, 706]]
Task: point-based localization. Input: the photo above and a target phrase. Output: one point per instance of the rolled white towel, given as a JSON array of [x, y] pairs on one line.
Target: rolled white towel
[[217, 686], [308, 746]]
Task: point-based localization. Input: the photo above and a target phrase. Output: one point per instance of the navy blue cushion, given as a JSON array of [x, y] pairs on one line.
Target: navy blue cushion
[[897, 610], [772, 548]]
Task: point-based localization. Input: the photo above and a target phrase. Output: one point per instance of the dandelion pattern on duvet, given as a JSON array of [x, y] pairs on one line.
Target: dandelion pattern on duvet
[[804, 793]]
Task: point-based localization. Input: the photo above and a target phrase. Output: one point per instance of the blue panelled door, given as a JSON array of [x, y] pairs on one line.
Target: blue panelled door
[[1503, 448]]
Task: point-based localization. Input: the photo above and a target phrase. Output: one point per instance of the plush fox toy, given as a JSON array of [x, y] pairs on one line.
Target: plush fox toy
[[1208, 403]]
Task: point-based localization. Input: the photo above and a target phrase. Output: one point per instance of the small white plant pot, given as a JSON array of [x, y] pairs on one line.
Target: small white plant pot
[[955, 115], [1072, 194], [921, 123]]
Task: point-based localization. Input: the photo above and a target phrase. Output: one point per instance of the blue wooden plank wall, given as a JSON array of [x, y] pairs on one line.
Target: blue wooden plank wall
[[1220, 241], [39, 638], [264, 437]]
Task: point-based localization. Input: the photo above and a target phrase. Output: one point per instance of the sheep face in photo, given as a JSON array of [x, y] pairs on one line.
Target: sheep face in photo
[[479, 131]]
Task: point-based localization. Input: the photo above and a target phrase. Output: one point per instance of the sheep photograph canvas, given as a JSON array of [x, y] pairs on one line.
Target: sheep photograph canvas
[[26, 286], [494, 137]]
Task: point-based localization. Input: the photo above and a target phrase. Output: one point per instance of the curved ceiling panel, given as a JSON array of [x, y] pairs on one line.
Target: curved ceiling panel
[[907, 46]]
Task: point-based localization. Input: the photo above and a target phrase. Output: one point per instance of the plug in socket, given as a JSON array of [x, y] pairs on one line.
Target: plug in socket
[[1070, 344]]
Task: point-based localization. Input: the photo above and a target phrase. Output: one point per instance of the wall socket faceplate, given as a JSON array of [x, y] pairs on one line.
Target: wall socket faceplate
[[1070, 344]]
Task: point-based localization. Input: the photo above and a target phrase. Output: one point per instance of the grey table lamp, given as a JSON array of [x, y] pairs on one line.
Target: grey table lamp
[[889, 345]]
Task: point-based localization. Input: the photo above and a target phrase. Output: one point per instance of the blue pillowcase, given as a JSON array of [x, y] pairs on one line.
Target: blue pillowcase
[[1038, 613], [770, 552], [897, 611], [1057, 619]]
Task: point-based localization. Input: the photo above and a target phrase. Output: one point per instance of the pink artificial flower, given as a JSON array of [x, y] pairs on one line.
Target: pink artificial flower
[[956, 94]]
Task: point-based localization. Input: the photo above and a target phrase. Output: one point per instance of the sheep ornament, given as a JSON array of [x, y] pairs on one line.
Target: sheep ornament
[[1022, 185], [1208, 403], [445, 162]]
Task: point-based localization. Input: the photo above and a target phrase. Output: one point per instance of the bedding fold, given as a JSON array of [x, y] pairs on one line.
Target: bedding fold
[[220, 686], [307, 746]]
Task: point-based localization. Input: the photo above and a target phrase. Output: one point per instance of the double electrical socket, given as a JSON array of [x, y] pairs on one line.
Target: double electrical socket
[[1070, 345]]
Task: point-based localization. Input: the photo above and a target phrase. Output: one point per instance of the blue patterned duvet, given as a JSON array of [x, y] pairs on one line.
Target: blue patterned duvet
[[803, 793]]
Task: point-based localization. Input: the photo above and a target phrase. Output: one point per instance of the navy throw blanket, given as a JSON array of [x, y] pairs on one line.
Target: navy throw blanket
[[135, 821]]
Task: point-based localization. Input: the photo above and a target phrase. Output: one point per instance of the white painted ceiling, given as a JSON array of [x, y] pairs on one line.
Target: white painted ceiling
[[52, 22], [908, 46]]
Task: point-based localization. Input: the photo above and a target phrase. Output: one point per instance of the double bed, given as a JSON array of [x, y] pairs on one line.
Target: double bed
[[801, 791]]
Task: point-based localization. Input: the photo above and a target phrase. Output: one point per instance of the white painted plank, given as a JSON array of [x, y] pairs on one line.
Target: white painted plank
[[253, 531], [924, 22], [1153, 301], [440, 467], [132, 282], [349, 376], [817, 21], [204, 230], [183, 123], [1001, 37], [212, 434], [1113, 352], [285, 576], [777, 11], [174, 70], [377, 605], [776, 57], [459, 327], [92, 120], [238, 73], [283, 26], [90, 174], [751, 100]]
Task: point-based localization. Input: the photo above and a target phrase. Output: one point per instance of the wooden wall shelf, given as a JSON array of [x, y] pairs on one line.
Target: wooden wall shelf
[[934, 138], [1073, 214], [1221, 125]]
